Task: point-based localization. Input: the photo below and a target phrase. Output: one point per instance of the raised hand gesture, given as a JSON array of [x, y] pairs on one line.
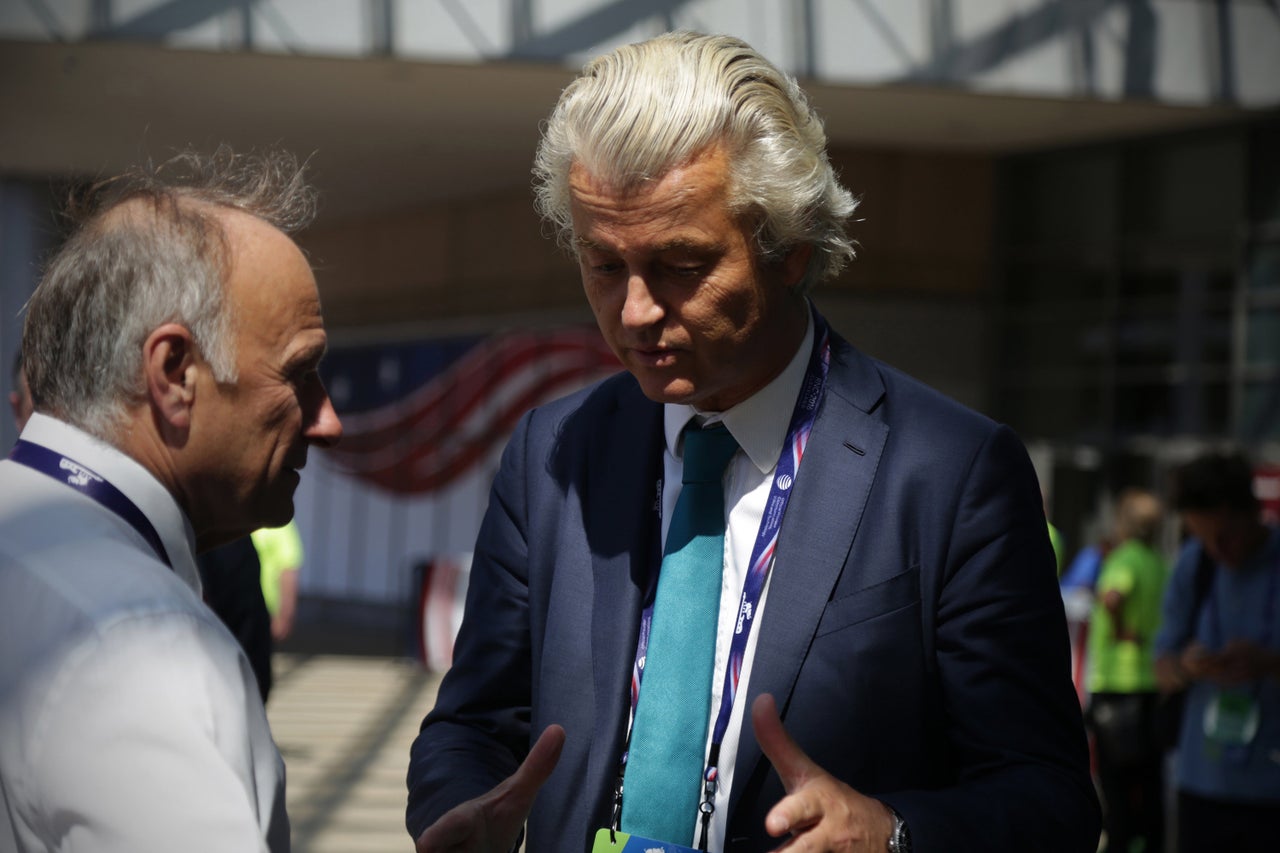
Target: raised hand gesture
[[491, 822], [819, 812]]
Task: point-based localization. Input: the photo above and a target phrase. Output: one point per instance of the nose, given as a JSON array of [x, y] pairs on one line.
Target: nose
[[640, 309], [323, 428]]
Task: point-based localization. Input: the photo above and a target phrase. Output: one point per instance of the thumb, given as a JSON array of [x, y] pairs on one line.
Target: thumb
[[793, 766], [537, 765]]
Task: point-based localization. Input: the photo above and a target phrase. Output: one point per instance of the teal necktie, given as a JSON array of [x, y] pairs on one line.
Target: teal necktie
[[663, 782]]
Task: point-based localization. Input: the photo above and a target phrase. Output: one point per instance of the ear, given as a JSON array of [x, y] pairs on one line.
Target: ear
[[795, 263], [169, 364]]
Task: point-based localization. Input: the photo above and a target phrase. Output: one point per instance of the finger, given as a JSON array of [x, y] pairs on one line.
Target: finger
[[793, 766], [793, 814], [537, 766]]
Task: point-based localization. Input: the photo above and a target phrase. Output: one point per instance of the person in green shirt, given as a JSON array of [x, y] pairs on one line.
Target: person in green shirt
[[1059, 547], [1122, 681], [280, 554]]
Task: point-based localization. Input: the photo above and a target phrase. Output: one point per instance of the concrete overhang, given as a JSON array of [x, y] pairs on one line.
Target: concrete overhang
[[386, 134]]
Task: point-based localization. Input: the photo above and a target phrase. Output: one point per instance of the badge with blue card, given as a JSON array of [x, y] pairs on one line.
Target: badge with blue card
[[621, 842]]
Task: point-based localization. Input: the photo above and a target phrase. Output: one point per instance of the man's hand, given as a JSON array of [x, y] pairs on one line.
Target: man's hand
[[1113, 602], [819, 811], [1239, 662], [1170, 676], [491, 822]]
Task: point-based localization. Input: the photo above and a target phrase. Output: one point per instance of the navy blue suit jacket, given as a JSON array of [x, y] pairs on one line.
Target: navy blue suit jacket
[[914, 636]]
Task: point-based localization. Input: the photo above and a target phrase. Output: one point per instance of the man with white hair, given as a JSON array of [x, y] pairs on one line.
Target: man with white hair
[[171, 350], [759, 587]]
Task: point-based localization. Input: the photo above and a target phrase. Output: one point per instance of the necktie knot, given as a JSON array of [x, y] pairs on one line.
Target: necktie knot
[[706, 453]]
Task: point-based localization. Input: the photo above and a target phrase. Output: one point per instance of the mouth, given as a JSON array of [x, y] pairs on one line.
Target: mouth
[[654, 356]]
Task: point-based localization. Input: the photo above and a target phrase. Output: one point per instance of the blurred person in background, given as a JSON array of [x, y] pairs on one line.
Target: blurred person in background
[[171, 350], [1056, 539], [1220, 642], [1122, 679], [232, 581], [280, 555], [907, 630], [1078, 583]]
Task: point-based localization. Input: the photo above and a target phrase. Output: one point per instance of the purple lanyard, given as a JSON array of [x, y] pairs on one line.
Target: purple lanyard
[[802, 418], [90, 484]]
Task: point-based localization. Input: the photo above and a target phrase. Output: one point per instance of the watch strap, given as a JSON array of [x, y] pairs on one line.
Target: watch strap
[[900, 838]]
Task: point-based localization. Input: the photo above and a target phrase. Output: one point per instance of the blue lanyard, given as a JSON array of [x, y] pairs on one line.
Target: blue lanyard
[[91, 485], [762, 552]]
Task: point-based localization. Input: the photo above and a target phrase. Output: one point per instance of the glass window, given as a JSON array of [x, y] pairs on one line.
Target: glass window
[[1185, 186], [1264, 267], [1260, 410], [1262, 336]]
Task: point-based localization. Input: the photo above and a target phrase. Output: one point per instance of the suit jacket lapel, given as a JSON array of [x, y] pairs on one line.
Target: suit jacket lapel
[[817, 532], [620, 495]]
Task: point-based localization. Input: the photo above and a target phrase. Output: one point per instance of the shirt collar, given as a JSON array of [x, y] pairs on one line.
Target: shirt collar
[[759, 423], [134, 481]]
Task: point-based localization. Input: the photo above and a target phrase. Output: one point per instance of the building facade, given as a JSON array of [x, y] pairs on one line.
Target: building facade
[[1070, 209]]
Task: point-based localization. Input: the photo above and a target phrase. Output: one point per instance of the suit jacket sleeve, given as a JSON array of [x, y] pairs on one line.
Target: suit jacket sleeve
[[1011, 729], [479, 730]]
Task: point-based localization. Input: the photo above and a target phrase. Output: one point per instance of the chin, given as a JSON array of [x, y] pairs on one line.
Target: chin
[[277, 510], [279, 516], [664, 390]]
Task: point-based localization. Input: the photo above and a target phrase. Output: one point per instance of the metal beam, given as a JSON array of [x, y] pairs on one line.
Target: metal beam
[[592, 28], [1017, 35], [165, 19]]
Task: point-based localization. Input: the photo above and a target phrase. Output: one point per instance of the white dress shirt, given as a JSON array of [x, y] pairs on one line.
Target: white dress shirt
[[129, 717], [759, 424]]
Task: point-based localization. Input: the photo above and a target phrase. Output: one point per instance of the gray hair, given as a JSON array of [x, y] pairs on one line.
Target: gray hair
[[638, 112], [119, 277]]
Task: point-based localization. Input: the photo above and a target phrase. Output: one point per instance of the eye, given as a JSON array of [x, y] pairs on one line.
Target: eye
[[304, 378], [689, 270]]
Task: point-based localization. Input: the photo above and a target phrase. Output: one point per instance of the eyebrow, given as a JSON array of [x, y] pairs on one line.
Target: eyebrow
[[311, 353], [676, 245]]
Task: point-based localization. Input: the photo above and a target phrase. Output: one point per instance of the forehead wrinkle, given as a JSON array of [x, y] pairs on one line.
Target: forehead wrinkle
[[678, 244]]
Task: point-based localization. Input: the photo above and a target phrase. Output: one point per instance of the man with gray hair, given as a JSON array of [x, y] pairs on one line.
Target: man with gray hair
[[171, 350], [760, 586], [20, 396]]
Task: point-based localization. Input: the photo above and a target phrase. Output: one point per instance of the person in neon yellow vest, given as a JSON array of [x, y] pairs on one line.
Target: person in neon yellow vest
[[280, 553]]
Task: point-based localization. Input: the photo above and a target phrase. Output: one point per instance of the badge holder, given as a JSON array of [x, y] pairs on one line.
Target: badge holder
[[613, 841], [1231, 722], [1231, 718]]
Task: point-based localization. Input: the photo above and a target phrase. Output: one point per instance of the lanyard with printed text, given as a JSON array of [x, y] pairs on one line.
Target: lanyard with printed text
[[91, 485], [797, 439]]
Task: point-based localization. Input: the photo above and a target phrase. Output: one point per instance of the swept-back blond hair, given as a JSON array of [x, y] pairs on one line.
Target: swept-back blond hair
[[643, 109]]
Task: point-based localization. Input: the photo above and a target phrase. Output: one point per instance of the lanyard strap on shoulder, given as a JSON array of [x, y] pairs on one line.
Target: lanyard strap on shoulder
[[90, 484]]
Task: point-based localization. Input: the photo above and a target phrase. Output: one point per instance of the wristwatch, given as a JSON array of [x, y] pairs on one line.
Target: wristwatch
[[900, 840]]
